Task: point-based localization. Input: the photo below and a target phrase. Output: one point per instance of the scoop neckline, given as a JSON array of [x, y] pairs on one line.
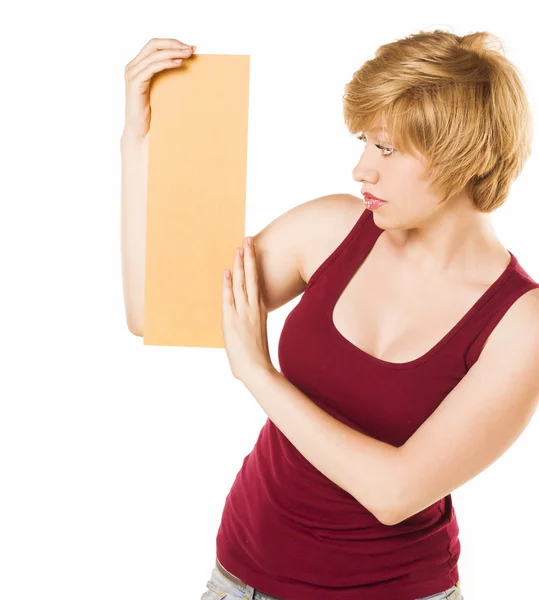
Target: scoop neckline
[[432, 351]]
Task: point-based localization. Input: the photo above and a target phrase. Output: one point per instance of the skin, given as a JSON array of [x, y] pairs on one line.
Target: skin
[[431, 238]]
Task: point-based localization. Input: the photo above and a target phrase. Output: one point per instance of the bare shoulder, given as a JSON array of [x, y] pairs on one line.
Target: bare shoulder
[[289, 246], [518, 324], [526, 310], [328, 220], [534, 294]]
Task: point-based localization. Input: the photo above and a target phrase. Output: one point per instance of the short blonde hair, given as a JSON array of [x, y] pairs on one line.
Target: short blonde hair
[[456, 101]]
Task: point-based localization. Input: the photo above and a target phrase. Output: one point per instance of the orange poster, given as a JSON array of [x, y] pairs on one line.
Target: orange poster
[[197, 170]]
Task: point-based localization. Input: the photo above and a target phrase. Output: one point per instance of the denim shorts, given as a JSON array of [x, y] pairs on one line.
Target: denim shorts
[[219, 587]]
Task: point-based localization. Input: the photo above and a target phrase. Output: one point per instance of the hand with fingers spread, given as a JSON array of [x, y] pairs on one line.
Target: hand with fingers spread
[[158, 54]]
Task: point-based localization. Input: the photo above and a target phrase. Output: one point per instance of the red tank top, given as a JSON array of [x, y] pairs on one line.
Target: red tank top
[[289, 531]]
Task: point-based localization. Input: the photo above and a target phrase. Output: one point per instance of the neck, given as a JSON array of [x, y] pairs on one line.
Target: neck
[[456, 239]]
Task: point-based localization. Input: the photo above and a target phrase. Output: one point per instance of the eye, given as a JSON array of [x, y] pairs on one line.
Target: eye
[[362, 138]]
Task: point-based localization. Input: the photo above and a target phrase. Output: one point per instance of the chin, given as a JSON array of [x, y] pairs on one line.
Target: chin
[[378, 216], [383, 222]]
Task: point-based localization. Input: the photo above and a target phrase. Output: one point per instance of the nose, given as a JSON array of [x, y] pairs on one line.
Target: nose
[[366, 168], [361, 173]]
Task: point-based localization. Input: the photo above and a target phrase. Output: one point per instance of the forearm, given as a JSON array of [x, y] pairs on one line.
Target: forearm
[[134, 183], [366, 468]]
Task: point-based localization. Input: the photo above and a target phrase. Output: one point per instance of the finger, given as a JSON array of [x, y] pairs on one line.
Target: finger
[[238, 281], [251, 273], [155, 44], [156, 61], [228, 294]]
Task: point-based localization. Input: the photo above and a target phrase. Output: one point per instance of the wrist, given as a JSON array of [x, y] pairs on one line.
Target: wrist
[[260, 375]]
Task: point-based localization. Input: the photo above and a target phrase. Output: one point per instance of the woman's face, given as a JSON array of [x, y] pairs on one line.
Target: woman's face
[[400, 179]]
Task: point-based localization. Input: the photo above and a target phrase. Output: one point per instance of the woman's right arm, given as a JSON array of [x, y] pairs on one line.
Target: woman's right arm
[[134, 151], [280, 246], [158, 54]]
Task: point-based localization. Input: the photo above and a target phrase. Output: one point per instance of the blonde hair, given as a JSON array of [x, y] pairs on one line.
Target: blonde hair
[[454, 99]]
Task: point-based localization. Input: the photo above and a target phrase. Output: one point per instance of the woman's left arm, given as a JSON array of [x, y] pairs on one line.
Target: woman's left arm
[[472, 427]]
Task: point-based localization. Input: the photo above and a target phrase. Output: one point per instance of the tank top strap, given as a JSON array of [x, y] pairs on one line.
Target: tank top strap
[[338, 268], [469, 335]]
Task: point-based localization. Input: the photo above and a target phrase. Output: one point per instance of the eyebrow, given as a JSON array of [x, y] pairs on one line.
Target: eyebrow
[[383, 132]]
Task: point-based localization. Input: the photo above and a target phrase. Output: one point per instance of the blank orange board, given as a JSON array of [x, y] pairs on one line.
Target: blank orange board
[[197, 171]]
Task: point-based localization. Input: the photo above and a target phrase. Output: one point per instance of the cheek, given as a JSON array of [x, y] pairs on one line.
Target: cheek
[[414, 187], [414, 201]]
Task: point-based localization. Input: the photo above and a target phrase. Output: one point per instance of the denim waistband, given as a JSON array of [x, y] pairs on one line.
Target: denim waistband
[[239, 582], [242, 584]]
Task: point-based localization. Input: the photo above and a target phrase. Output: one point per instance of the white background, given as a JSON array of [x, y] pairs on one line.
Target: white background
[[115, 457]]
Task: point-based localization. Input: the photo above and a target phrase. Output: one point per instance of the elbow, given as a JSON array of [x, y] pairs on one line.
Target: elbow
[[390, 507], [137, 332], [394, 497], [387, 517], [384, 513], [135, 327], [392, 513], [390, 519]]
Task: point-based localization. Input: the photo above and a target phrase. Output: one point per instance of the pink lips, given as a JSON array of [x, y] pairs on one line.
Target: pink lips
[[372, 198]]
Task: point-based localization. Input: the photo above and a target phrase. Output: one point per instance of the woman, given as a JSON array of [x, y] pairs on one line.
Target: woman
[[399, 345]]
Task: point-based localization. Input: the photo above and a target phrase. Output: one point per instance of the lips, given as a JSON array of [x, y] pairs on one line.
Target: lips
[[372, 198]]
